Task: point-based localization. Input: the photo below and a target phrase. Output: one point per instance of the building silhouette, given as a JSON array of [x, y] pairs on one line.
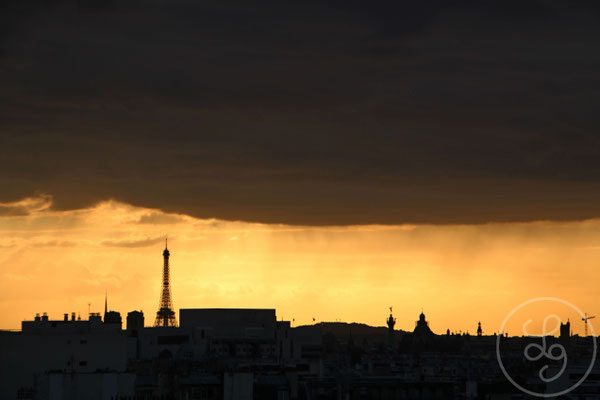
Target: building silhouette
[[565, 330], [422, 326]]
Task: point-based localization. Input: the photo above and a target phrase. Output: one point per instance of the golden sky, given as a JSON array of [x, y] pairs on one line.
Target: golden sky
[[59, 261]]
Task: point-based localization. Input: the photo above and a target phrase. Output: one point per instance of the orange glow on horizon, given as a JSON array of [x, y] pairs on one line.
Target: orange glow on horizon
[[59, 261]]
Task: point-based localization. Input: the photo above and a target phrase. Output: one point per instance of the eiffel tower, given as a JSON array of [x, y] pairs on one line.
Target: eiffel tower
[[165, 315]]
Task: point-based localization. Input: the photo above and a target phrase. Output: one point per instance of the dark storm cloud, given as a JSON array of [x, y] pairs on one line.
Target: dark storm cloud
[[323, 112]]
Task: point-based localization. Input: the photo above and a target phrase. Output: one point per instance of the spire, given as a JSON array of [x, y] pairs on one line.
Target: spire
[[166, 314], [105, 303]]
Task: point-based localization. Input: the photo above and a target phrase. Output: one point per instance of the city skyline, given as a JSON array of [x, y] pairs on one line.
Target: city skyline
[[113, 247], [439, 155], [309, 162]]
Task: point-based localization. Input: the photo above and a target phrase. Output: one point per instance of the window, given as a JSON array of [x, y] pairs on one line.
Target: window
[[82, 363]]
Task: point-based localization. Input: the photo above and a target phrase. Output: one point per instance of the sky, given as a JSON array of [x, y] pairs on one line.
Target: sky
[[406, 151], [59, 261]]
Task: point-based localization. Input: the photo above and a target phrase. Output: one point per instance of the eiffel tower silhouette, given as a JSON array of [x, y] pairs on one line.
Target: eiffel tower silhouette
[[165, 315]]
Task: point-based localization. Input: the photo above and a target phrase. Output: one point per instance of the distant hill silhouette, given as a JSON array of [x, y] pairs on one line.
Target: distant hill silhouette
[[359, 332]]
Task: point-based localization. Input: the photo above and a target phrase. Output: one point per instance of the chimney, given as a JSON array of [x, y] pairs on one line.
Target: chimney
[[37, 317], [72, 316], [45, 317], [66, 317]]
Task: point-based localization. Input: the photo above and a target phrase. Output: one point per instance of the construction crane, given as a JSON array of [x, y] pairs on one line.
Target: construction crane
[[585, 321]]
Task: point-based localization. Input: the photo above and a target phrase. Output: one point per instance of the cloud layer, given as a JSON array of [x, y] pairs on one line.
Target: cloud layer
[[319, 113]]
